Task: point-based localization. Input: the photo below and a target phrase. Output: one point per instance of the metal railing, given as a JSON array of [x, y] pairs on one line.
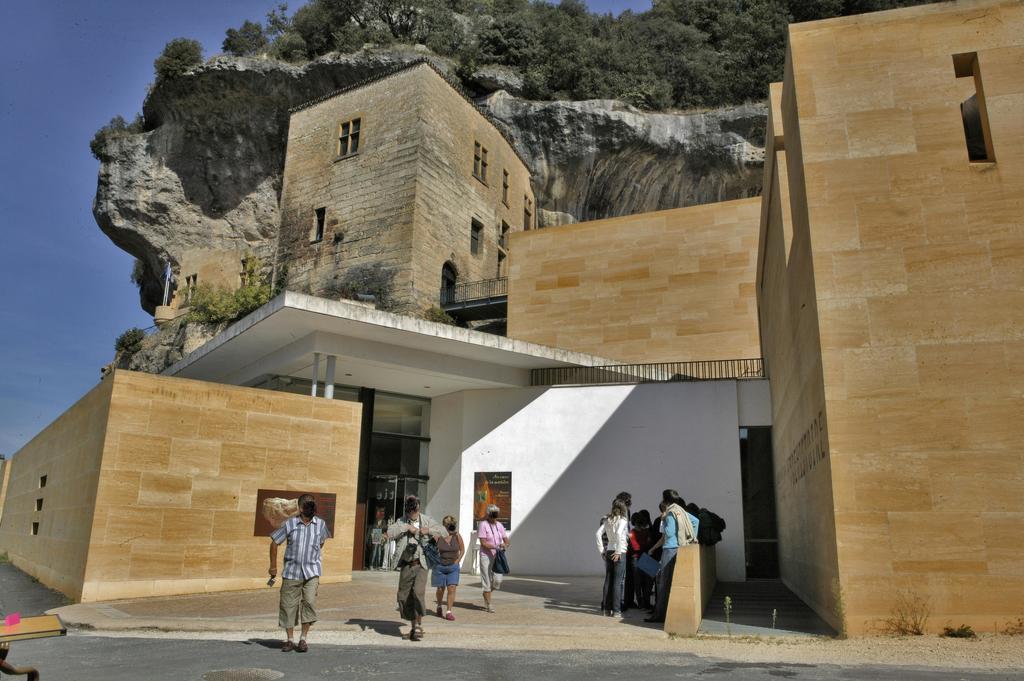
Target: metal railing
[[665, 372], [474, 290]]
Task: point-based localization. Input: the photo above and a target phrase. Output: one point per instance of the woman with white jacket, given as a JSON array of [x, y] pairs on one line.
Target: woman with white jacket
[[614, 529]]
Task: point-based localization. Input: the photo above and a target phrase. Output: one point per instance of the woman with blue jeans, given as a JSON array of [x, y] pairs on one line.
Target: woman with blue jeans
[[446, 574], [615, 529]]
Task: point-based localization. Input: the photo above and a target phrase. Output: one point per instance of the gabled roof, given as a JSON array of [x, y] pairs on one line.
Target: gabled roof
[[452, 82]]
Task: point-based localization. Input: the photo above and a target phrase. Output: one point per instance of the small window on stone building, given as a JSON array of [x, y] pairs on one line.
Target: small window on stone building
[[35, 529], [348, 137], [503, 237], [475, 232], [527, 212], [479, 162], [243, 276], [319, 218], [973, 111], [39, 504], [42, 481], [504, 187]]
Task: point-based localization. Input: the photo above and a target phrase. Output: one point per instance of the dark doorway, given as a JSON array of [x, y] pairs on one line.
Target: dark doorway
[[449, 278], [760, 534]]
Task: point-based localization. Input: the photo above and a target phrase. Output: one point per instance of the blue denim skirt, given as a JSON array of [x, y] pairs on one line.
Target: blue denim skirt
[[445, 575]]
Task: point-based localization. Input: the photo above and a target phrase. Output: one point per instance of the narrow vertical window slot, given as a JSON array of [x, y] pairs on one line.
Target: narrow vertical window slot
[[973, 110], [320, 218]]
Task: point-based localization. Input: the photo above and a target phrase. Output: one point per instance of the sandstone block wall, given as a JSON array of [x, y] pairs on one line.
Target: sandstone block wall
[[673, 285], [155, 482], [69, 453], [906, 257], [693, 583], [407, 199]]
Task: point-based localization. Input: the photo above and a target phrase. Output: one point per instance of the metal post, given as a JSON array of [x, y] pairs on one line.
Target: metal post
[[167, 283], [329, 381], [316, 371]]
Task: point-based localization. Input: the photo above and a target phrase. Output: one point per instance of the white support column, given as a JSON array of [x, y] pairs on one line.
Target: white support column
[[329, 381], [316, 371]]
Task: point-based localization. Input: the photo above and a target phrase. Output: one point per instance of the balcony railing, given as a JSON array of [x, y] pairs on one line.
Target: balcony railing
[[474, 290], [666, 372]]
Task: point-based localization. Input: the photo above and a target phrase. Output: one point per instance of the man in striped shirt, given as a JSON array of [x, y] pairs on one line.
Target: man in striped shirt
[[305, 534]]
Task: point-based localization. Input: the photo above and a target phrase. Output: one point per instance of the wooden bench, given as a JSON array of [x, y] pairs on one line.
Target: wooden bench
[[44, 626]]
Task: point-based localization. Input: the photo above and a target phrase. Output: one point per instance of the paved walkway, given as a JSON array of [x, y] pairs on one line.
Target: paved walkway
[[546, 611]]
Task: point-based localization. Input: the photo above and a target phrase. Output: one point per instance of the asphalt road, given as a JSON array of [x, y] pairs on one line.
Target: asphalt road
[[93, 658]]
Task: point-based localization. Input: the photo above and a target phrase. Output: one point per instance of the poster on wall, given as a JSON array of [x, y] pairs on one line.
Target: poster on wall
[[274, 506], [493, 488]]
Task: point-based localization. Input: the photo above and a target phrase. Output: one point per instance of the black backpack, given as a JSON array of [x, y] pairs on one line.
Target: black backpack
[[709, 532]]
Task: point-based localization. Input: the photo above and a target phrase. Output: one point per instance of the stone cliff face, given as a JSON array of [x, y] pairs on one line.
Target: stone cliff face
[[206, 173], [602, 158]]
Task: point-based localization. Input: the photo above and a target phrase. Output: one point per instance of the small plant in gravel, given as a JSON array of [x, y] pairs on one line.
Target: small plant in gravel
[[909, 615], [728, 615], [963, 631]]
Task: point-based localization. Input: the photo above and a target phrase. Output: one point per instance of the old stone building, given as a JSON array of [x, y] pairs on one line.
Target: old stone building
[[394, 186]]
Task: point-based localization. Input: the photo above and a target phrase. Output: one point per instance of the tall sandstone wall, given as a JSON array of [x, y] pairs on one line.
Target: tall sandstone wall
[[668, 286], [899, 278]]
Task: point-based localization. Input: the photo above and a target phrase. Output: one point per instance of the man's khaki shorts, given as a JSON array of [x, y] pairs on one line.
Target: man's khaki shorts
[[298, 601]]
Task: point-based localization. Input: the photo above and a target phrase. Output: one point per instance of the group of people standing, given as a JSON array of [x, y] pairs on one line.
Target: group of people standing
[[630, 544]]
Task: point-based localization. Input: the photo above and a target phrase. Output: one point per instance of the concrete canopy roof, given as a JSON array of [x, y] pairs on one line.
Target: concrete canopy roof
[[375, 349]]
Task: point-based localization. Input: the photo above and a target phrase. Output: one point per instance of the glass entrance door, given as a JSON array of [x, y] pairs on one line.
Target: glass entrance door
[[382, 500]]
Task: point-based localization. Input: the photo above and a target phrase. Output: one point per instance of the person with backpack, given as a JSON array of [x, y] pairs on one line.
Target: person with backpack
[[413, 533]]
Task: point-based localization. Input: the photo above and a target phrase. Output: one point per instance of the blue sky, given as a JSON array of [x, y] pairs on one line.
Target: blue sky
[[65, 294]]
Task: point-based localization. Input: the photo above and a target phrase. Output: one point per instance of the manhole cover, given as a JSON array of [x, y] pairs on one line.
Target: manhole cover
[[243, 675]]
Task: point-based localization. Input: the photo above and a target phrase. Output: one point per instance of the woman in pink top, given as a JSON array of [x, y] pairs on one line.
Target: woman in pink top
[[492, 537]]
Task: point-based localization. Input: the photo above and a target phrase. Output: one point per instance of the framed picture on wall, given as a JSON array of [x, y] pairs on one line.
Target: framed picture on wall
[[493, 488], [274, 506]]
